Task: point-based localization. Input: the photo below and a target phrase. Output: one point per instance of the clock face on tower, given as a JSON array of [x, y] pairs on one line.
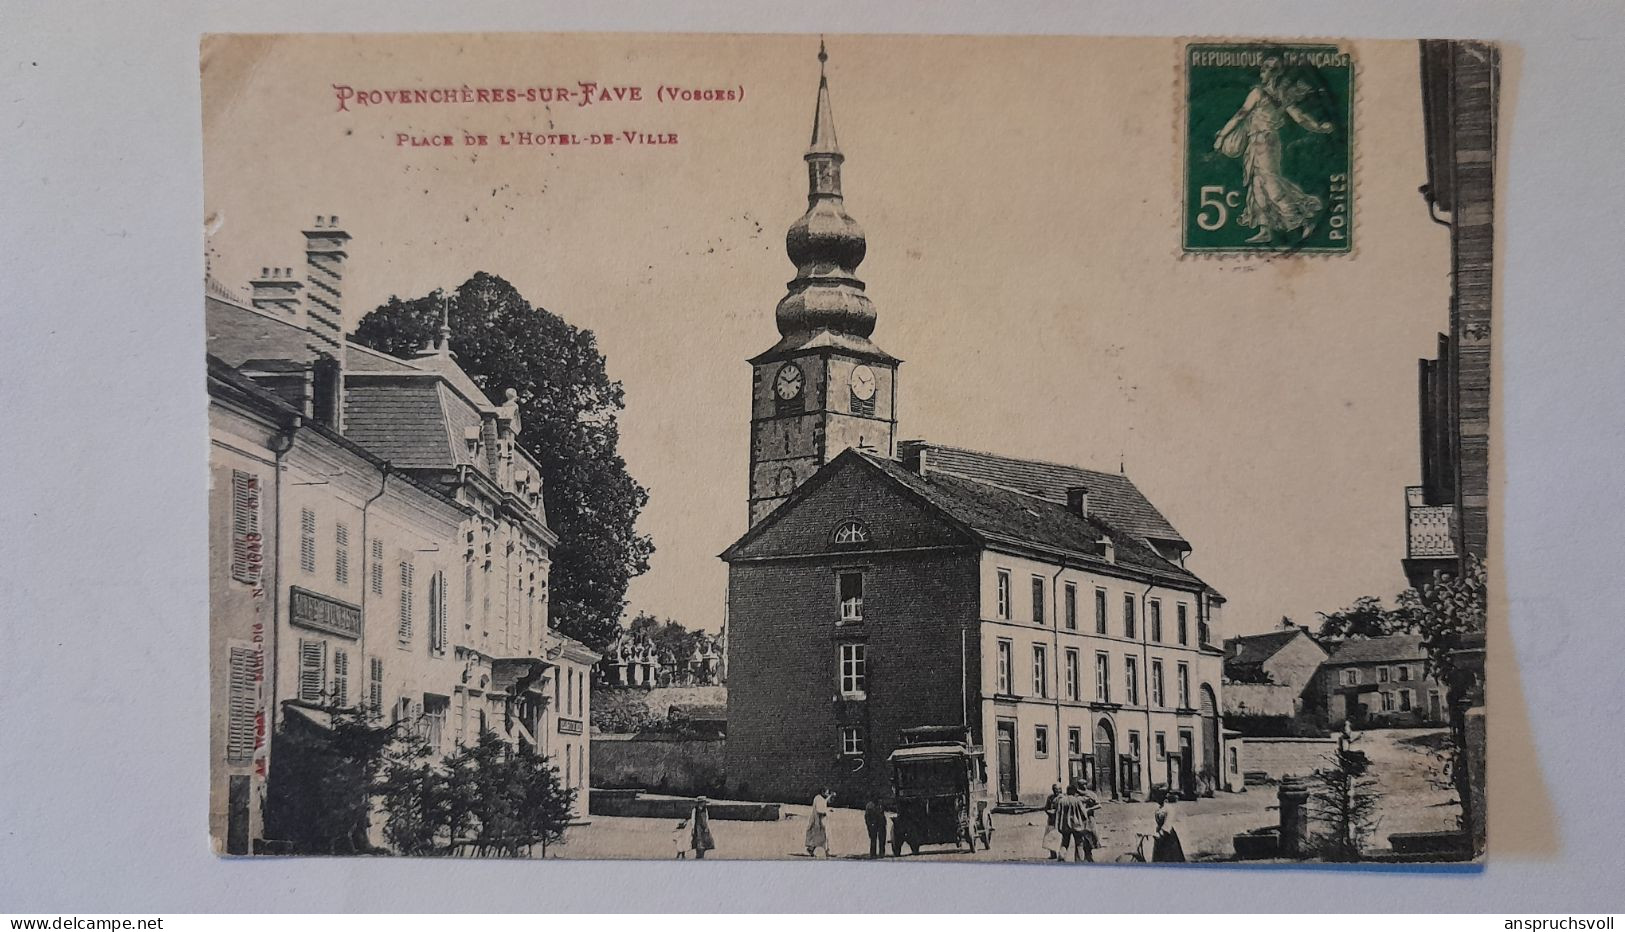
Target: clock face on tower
[[863, 383], [787, 385]]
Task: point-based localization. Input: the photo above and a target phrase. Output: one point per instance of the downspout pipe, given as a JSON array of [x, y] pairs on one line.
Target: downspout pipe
[[281, 442], [1055, 659], [1145, 671], [366, 571]]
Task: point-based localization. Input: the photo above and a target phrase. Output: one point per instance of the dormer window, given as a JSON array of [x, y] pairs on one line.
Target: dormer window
[[851, 532], [471, 437]]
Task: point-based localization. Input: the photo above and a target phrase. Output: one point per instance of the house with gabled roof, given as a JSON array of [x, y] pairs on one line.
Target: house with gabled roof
[[1272, 676], [1381, 681], [880, 597]]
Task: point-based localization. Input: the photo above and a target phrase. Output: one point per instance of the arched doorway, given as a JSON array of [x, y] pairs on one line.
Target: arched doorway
[[1211, 766], [1105, 781]]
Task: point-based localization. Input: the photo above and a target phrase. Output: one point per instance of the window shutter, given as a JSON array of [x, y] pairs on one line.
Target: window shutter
[[246, 544], [375, 688], [445, 628], [240, 707], [341, 553], [377, 569], [312, 669], [406, 602], [307, 540], [341, 678]]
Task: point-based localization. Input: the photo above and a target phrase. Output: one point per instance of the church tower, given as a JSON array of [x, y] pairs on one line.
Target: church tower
[[823, 387]]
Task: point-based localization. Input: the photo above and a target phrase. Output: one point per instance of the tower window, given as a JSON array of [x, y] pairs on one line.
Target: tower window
[[851, 532], [851, 597], [864, 406], [854, 675], [851, 739]]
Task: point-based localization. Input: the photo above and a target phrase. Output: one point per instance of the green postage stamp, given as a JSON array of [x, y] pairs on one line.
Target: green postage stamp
[[1269, 139]]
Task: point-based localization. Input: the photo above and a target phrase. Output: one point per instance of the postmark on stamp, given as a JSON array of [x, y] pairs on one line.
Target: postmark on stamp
[[1269, 139]]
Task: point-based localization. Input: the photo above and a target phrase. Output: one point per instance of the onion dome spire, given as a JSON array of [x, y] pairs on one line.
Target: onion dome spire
[[825, 244]]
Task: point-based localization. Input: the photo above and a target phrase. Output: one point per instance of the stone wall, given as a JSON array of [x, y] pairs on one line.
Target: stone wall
[[1261, 699], [659, 764], [1279, 758]]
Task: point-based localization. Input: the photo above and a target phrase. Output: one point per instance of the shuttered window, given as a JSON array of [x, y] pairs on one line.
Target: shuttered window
[[406, 602], [341, 553], [307, 540], [468, 595], [247, 550], [375, 686], [312, 669], [376, 571], [240, 707], [341, 678], [437, 614]]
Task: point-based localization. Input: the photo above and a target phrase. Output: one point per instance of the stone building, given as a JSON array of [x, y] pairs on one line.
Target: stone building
[[1044, 609], [402, 543], [1381, 681], [1272, 675]]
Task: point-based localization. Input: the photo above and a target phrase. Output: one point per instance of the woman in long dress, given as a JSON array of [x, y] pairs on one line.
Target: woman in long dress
[[1254, 133], [699, 827], [1166, 845], [817, 831]]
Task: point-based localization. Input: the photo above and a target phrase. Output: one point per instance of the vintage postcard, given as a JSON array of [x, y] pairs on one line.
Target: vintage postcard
[[936, 448]]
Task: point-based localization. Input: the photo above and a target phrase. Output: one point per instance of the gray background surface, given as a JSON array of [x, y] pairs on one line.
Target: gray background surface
[[102, 589]]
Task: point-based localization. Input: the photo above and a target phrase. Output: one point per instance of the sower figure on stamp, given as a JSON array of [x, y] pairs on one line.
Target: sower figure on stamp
[[1254, 134]]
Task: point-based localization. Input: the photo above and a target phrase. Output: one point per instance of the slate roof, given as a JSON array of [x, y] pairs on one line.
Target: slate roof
[[1111, 495], [1257, 648], [404, 421], [1000, 515], [1394, 647], [226, 379], [358, 358], [402, 409]]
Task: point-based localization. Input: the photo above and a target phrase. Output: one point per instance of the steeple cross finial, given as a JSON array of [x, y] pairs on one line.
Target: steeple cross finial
[[823, 56]]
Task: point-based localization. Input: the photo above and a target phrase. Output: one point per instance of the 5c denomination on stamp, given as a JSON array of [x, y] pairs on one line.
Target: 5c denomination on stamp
[[1269, 140]]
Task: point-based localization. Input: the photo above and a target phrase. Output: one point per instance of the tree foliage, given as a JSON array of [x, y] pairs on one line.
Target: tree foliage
[[1343, 799], [319, 793], [569, 420], [670, 638], [1368, 618], [1449, 608], [500, 799]]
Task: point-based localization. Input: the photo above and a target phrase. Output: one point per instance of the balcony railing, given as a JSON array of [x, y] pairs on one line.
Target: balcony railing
[[1430, 529]]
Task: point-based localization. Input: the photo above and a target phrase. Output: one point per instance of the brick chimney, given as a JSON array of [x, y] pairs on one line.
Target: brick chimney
[[1077, 500], [277, 290], [324, 284], [324, 318]]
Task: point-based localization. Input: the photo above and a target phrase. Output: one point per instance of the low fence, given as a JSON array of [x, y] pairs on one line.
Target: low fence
[[667, 764]]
